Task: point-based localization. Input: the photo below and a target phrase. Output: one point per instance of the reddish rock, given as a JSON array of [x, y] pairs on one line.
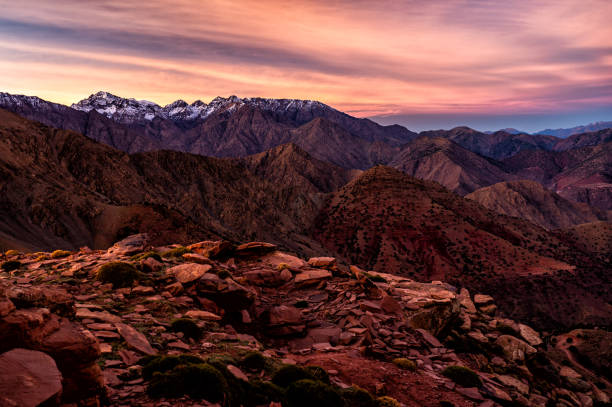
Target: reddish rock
[[189, 272], [311, 277], [254, 249], [151, 265], [323, 262], [28, 378], [135, 339]]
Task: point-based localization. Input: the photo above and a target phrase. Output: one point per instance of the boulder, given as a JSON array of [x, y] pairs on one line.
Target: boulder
[[514, 348], [28, 378], [188, 272], [323, 262], [130, 245], [202, 315], [268, 278], [279, 259], [135, 340], [311, 277], [254, 249], [466, 301], [285, 320], [482, 299], [213, 249], [530, 335], [226, 293], [151, 265]]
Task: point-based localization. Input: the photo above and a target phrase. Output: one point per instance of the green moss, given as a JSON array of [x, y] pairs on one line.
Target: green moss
[[176, 252], [58, 254], [405, 364], [146, 255], [308, 393], [254, 361], [118, 273], [188, 327], [198, 381], [263, 393], [161, 364], [318, 373], [10, 265], [386, 401], [358, 397], [462, 375], [288, 374]]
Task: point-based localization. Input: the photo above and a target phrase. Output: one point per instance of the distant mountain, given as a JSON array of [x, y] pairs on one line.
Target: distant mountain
[[531, 201], [508, 130], [576, 130], [584, 140], [226, 127], [498, 145], [443, 161]]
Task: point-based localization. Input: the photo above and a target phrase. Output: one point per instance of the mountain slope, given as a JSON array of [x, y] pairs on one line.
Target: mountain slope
[[443, 161], [498, 145], [388, 221], [531, 201], [584, 140]]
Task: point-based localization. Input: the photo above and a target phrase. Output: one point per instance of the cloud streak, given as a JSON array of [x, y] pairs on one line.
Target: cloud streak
[[369, 58]]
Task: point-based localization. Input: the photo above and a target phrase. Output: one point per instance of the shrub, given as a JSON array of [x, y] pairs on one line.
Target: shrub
[[358, 397], [308, 393], [118, 273], [10, 265], [11, 253], [288, 374], [318, 373], [254, 361], [146, 255], [405, 364], [188, 327], [198, 381], [42, 257], [262, 393], [58, 254], [386, 401], [176, 252], [462, 375], [282, 266], [161, 364]]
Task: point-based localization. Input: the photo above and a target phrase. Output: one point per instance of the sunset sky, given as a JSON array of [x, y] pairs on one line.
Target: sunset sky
[[489, 64]]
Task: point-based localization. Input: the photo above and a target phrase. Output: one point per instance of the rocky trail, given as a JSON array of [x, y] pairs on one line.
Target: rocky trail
[[218, 324]]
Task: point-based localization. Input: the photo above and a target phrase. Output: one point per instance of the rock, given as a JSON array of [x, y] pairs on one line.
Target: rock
[[188, 272], [390, 305], [514, 348], [268, 278], [285, 275], [130, 245], [203, 315], [135, 339], [515, 383], [323, 262], [488, 309], [311, 277], [227, 293], [436, 316], [97, 315], [175, 288], [466, 302], [213, 249], [568, 372], [482, 299], [151, 265], [530, 335], [237, 373], [285, 320], [28, 378], [254, 249], [197, 258], [279, 259]]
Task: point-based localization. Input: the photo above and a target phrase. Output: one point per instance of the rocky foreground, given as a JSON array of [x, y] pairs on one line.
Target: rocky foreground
[[219, 324]]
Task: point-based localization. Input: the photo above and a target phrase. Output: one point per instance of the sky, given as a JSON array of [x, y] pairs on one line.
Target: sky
[[425, 64]]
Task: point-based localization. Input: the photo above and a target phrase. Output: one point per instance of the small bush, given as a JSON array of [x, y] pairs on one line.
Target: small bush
[[405, 364], [198, 381], [58, 254], [146, 255], [10, 265], [42, 257], [282, 266], [308, 393], [161, 364], [462, 375], [386, 401], [254, 361], [188, 327], [263, 393], [318, 373], [118, 273], [176, 252], [288, 374], [358, 397], [11, 253]]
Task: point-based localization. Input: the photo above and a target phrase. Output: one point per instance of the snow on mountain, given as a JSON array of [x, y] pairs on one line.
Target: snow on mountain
[[132, 110]]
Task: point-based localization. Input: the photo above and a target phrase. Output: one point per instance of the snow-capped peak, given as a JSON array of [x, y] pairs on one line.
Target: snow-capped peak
[[132, 110]]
